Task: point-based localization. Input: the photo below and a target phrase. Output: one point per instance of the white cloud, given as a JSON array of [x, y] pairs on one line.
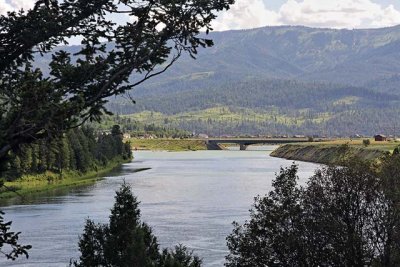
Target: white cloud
[[246, 14], [11, 5], [22, 4], [314, 13], [5, 7]]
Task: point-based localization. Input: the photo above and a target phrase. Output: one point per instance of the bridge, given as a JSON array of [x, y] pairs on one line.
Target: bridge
[[215, 144]]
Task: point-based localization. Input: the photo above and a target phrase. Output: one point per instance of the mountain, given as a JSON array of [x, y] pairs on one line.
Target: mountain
[[353, 57], [278, 80], [269, 106]]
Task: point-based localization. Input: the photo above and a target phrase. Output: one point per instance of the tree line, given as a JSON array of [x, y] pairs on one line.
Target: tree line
[[138, 129], [81, 149]]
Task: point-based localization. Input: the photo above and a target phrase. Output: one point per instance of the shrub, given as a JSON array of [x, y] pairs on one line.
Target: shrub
[[366, 142]]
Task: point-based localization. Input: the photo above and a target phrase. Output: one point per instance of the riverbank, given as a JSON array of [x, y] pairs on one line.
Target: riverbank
[[332, 152], [48, 181], [173, 145]]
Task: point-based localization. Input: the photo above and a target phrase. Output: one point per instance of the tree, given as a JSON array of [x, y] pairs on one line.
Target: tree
[[126, 241], [345, 216], [37, 103], [272, 237], [366, 142]]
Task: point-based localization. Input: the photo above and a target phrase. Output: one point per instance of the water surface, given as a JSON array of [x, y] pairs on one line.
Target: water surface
[[187, 197]]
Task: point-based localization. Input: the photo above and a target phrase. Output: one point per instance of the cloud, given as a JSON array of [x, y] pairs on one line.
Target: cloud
[[246, 14], [12, 5], [5, 7], [314, 13]]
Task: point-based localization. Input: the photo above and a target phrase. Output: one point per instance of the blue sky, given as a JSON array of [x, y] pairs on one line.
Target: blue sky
[[247, 14]]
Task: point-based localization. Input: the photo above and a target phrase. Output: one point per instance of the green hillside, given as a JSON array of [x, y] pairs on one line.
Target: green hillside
[[277, 80], [270, 107], [356, 57]]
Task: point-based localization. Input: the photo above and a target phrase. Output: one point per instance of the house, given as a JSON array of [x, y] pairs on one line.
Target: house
[[127, 136], [380, 138], [203, 136]]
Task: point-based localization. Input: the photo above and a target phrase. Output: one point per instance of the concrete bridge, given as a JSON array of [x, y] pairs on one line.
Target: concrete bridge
[[215, 144]]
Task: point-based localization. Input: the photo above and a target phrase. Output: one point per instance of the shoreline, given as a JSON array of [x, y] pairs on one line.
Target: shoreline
[[330, 153], [170, 145], [41, 183]]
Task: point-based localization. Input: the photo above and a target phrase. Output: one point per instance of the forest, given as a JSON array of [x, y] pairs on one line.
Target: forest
[[138, 129], [268, 107], [81, 149]]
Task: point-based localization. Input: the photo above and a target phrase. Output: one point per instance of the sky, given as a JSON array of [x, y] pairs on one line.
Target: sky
[[350, 14], [246, 14]]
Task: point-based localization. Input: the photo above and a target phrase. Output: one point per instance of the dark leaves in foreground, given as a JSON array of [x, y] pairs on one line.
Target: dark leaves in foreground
[[9, 245], [345, 216]]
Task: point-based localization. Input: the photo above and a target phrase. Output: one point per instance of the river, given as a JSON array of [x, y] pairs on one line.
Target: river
[[186, 197]]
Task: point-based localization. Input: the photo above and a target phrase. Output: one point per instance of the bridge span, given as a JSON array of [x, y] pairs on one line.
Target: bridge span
[[215, 144]]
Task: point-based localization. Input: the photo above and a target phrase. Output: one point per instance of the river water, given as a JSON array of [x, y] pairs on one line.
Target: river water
[[187, 197]]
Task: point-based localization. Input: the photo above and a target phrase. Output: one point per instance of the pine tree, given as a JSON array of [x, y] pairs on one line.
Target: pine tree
[[126, 241]]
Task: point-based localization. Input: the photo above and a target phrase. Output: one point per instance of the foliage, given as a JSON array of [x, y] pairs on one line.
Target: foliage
[[9, 241], [269, 107], [43, 102], [366, 142], [140, 129], [126, 241], [345, 216], [81, 149]]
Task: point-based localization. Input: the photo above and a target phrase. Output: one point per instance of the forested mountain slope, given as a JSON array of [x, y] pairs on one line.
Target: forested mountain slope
[[270, 106], [278, 80], [356, 57]]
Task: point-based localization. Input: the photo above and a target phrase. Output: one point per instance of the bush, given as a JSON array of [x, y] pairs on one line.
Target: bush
[[366, 142]]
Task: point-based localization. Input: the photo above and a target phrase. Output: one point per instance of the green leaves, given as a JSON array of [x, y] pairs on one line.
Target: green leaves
[[69, 92], [345, 216]]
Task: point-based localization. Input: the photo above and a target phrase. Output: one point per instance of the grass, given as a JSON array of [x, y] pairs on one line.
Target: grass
[[168, 144], [331, 152], [48, 181], [358, 143]]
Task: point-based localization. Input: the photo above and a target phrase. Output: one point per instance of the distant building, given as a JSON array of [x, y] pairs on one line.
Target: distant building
[[380, 138], [203, 136], [127, 136]]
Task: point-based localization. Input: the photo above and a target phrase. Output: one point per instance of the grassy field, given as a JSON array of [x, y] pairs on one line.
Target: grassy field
[[225, 114], [168, 144], [333, 151], [358, 143], [48, 181]]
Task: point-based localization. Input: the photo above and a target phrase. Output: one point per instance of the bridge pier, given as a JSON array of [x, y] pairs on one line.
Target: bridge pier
[[243, 147], [213, 146]]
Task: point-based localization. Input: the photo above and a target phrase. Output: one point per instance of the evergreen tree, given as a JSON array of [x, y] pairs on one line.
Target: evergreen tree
[[126, 241]]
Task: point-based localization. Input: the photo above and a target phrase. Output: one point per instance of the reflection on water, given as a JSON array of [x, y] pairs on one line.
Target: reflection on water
[[187, 197]]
